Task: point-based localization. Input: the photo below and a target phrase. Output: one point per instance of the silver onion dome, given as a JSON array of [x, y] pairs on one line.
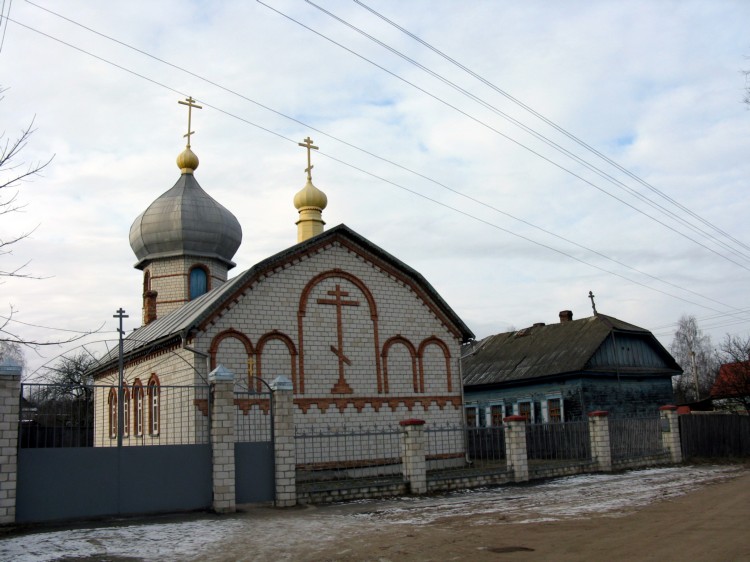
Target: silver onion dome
[[185, 221]]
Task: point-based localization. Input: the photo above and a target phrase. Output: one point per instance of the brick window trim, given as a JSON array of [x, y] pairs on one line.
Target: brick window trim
[[154, 405]]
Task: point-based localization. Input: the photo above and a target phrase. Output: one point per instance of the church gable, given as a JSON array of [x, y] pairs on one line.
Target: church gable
[[334, 315]]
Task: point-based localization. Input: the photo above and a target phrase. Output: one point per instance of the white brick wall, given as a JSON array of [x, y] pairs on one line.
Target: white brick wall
[[9, 405], [169, 278], [181, 421], [266, 316], [273, 304]]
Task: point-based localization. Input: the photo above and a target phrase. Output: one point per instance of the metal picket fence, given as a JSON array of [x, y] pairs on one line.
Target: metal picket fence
[[458, 449], [330, 454], [558, 442], [59, 416], [631, 438]]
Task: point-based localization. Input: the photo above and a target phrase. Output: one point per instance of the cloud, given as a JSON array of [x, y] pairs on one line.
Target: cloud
[[654, 86]]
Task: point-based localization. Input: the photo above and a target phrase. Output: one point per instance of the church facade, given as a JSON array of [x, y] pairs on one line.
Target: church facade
[[364, 338]]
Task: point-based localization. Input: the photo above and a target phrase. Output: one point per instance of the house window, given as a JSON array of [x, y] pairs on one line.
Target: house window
[[471, 416], [112, 406], [524, 409], [125, 410], [198, 281], [138, 407], [154, 405], [554, 409], [496, 415]]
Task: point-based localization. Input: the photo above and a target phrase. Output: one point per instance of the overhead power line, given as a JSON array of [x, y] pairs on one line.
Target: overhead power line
[[281, 136], [507, 137], [4, 21], [369, 153], [552, 124], [539, 136]]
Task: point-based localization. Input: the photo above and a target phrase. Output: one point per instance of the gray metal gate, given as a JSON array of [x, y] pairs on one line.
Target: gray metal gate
[[253, 449], [69, 464]]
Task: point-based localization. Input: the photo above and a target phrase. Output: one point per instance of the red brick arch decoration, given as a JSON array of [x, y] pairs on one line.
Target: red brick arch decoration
[[434, 340], [276, 335], [229, 333], [339, 273], [399, 339]]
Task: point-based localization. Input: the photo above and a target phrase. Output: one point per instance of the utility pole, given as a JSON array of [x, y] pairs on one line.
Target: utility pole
[[695, 375], [120, 366]]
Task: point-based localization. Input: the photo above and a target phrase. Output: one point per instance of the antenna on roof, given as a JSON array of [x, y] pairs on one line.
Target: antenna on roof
[[593, 304]]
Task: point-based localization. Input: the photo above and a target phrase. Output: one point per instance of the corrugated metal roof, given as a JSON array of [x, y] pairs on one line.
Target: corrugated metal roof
[[544, 351], [196, 312]]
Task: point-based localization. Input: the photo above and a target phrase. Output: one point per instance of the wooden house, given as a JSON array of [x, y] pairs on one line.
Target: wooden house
[[564, 370]]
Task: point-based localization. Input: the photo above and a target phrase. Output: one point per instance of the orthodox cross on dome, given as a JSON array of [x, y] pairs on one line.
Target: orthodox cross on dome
[[189, 102], [593, 304], [341, 386], [308, 143]]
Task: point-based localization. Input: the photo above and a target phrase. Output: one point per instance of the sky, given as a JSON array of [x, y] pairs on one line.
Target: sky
[[472, 178]]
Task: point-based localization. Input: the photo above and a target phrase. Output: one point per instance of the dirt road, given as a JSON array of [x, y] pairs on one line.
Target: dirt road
[[674, 513], [712, 524]]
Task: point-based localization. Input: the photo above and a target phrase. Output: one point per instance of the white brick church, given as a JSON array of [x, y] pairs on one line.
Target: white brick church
[[365, 339]]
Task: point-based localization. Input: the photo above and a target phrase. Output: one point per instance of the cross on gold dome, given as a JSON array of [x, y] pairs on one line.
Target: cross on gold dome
[[189, 102], [308, 143]]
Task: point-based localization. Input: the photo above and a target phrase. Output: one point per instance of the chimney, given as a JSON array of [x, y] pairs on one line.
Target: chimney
[[149, 307], [566, 316]]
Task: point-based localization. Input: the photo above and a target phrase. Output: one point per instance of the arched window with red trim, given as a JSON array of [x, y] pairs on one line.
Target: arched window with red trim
[[154, 405], [125, 410], [138, 407], [112, 409]]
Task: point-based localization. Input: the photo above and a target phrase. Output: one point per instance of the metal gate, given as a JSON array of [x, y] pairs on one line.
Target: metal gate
[[253, 449], [70, 465]]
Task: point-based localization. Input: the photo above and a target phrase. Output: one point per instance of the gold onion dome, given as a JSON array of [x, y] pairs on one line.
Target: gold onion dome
[[187, 161], [310, 196]]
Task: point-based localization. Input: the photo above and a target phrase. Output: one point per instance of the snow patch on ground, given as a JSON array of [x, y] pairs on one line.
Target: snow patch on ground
[[276, 535]]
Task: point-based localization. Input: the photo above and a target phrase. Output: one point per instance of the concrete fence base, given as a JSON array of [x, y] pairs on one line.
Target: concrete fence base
[[414, 478]]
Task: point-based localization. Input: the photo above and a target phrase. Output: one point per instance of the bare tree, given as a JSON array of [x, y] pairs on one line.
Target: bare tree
[[732, 386], [14, 172], [63, 404], [70, 375], [12, 350], [692, 349]]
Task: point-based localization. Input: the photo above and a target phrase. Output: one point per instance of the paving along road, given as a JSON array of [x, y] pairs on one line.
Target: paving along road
[[676, 513]]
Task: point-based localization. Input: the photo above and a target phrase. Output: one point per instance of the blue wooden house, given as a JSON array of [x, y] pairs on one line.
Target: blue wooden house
[[563, 371]]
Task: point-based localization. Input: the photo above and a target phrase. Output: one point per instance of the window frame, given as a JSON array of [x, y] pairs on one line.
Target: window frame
[[154, 405], [552, 398], [206, 272], [138, 407], [530, 416], [112, 409], [492, 419], [125, 410], [474, 409]]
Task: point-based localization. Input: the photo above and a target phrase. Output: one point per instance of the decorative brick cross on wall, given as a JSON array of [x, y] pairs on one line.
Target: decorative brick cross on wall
[[341, 386]]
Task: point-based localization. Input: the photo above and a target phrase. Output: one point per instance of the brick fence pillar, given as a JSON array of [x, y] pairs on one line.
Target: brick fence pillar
[[222, 439], [601, 450], [670, 432], [10, 392], [285, 452], [516, 457], [413, 452]]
